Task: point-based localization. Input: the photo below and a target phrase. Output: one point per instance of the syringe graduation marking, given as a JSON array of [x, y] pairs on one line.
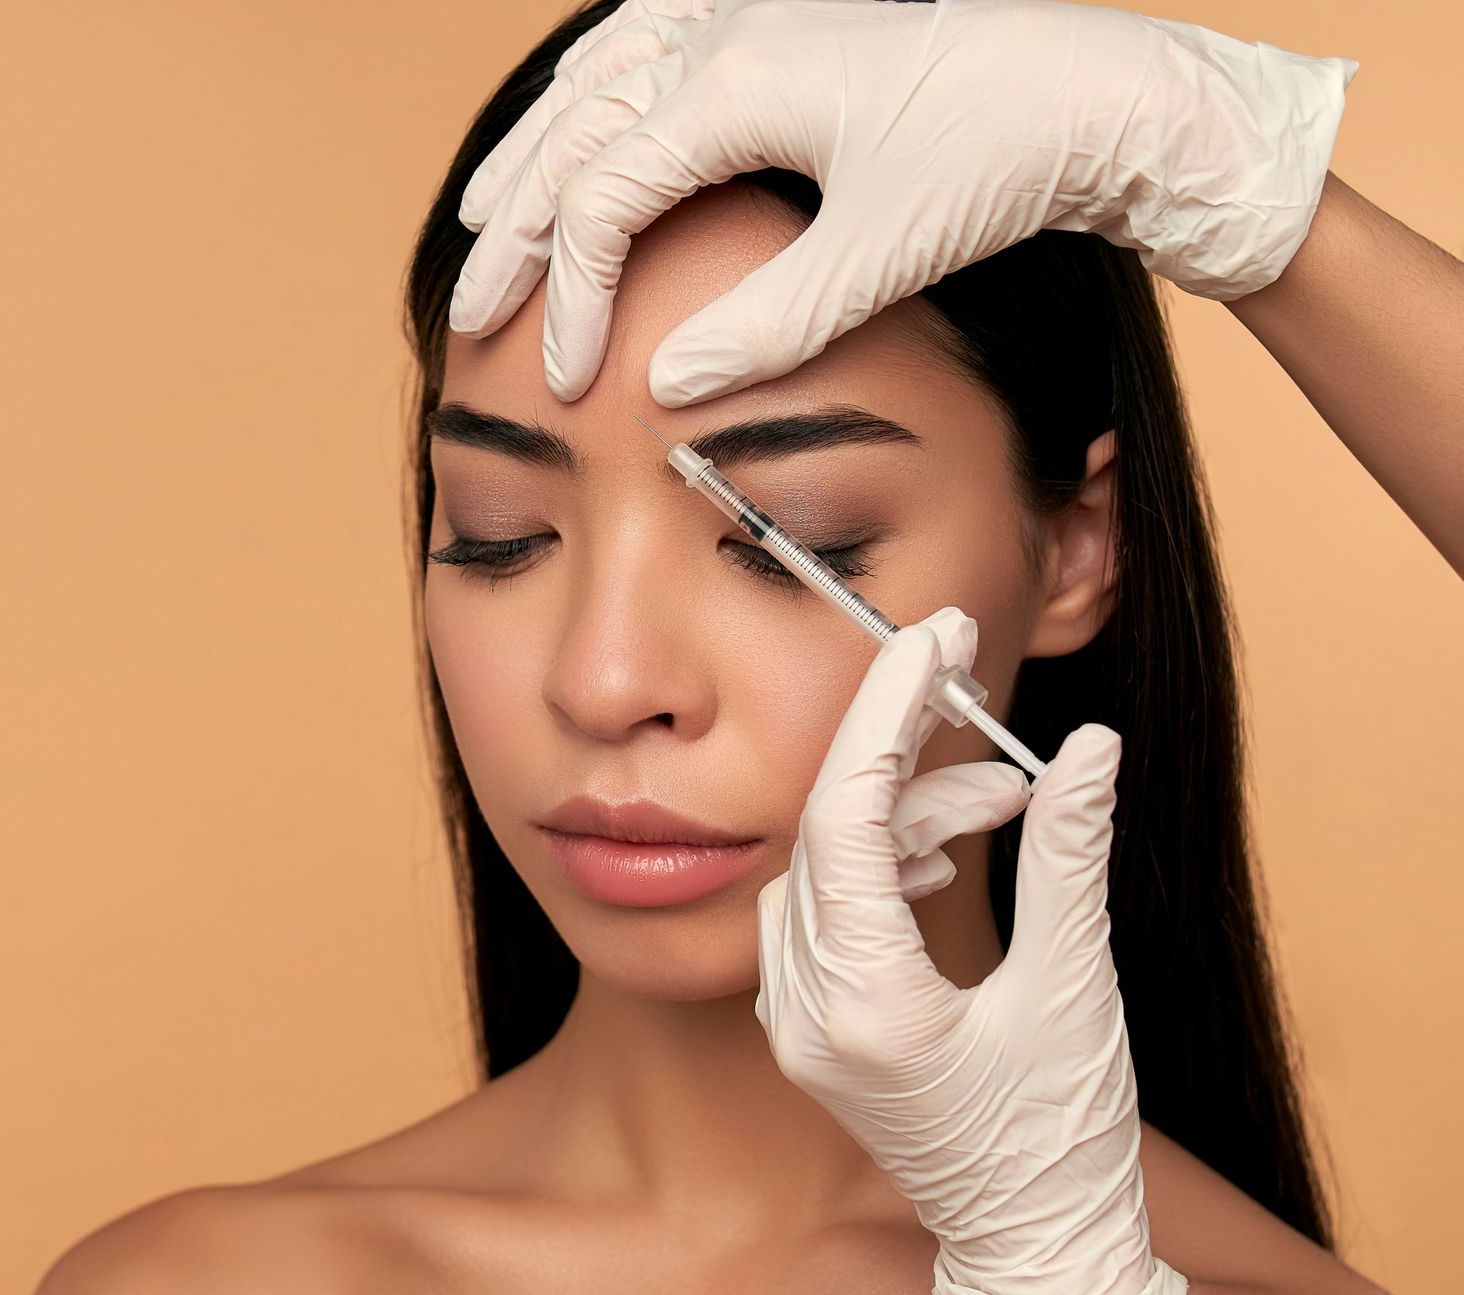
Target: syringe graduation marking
[[762, 528]]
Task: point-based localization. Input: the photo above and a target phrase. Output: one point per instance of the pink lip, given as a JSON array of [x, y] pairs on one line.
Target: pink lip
[[642, 855], [648, 875], [642, 821]]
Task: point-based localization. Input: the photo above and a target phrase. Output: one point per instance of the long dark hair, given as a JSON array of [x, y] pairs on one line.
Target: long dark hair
[[1067, 332]]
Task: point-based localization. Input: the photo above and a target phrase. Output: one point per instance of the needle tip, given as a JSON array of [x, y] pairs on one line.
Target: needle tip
[[652, 430]]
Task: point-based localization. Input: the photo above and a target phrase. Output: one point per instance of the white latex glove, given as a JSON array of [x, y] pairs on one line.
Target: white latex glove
[[938, 134], [1007, 1112]]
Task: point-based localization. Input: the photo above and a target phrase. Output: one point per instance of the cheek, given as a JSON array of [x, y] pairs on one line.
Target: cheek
[[793, 715], [786, 701], [486, 685]]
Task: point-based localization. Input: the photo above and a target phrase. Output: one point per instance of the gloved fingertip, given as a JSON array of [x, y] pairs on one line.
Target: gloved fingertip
[[565, 388], [1091, 752], [948, 619], [463, 325], [904, 639], [925, 889], [1102, 741], [673, 382], [462, 316], [952, 633], [469, 215], [1017, 777], [669, 396]]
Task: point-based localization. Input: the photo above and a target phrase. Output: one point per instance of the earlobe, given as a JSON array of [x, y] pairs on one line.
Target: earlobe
[[1078, 561]]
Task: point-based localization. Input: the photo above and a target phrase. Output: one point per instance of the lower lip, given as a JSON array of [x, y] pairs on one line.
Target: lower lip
[[651, 875]]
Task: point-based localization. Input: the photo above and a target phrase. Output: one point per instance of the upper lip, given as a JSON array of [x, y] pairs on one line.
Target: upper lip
[[642, 821]]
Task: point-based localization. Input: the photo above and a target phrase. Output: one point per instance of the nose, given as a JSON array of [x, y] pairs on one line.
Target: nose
[[629, 657]]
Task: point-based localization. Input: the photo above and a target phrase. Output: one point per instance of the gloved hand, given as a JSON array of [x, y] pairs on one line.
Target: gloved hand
[[1007, 1112], [939, 134]]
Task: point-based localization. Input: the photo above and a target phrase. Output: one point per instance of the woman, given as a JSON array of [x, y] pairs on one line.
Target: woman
[[589, 627]]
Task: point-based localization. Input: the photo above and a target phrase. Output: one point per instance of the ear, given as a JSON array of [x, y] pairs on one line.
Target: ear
[[1078, 548]]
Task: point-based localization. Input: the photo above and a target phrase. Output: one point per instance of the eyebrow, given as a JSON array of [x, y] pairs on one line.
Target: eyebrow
[[754, 440]]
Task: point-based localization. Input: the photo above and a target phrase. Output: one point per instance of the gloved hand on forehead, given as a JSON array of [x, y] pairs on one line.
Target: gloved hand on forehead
[[938, 133]]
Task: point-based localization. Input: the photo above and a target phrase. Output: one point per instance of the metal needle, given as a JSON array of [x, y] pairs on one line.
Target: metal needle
[[652, 430]]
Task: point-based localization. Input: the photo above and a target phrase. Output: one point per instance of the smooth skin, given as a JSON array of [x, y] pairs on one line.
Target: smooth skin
[[1368, 319], [652, 1145]]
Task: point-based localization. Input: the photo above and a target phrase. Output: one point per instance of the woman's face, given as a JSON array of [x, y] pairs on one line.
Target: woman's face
[[632, 654]]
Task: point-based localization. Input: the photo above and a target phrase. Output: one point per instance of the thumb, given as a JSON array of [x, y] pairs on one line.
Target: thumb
[[1061, 920], [783, 313]]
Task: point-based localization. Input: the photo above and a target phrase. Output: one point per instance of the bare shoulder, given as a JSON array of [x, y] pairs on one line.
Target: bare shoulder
[[1204, 1226], [399, 1203], [223, 1239], [446, 1150]]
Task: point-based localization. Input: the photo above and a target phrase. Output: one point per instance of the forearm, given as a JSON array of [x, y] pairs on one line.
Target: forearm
[[1368, 319]]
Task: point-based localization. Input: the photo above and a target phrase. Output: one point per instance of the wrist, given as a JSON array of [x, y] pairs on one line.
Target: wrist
[[1264, 121], [1162, 1280], [1125, 1266]]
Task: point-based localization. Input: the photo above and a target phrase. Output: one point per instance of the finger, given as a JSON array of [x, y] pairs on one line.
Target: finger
[[508, 257], [685, 141], [833, 276], [629, 12], [887, 713], [595, 57], [1060, 923], [962, 649], [945, 803], [849, 852], [923, 876]]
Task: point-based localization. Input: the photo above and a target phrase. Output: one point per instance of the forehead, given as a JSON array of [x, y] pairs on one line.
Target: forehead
[[688, 257]]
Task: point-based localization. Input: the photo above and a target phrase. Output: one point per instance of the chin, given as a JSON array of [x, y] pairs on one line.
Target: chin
[[702, 949], [693, 975]]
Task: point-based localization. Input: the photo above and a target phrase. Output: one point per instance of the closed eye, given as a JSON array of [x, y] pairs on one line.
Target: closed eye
[[845, 562], [496, 560]]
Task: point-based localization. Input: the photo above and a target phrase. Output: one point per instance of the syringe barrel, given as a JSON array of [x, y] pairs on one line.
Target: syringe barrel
[[818, 576]]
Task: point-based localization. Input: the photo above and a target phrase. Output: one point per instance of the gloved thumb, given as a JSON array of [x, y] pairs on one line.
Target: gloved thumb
[[783, 313], [1060, 924], [945, 803]]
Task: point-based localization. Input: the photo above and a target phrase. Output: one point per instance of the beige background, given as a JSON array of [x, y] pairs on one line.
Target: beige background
[[224, 908]]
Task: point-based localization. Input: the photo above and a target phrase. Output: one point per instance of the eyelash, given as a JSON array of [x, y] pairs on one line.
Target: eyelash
[[487, 559]]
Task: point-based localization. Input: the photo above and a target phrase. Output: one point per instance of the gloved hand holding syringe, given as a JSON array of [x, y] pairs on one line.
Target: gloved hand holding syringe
[[954, 693]]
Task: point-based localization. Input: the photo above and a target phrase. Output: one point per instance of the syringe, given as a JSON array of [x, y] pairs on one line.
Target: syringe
[[954, 694]]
